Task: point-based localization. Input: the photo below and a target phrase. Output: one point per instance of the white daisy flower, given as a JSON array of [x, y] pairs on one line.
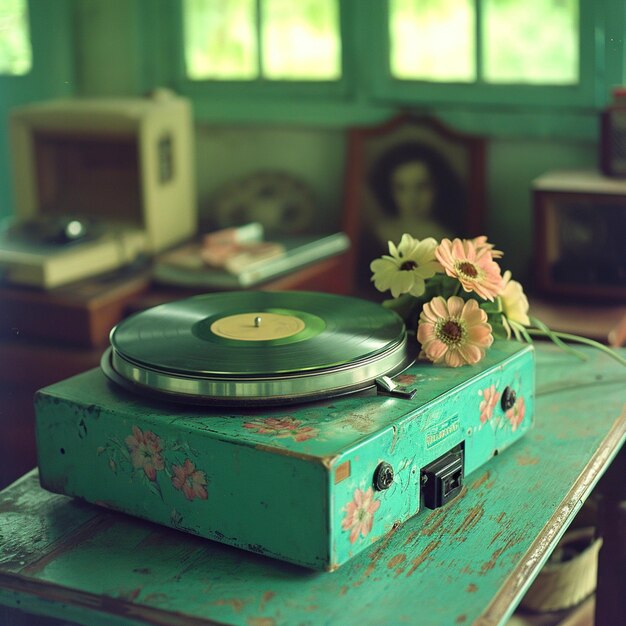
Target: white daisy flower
[[405, 268]]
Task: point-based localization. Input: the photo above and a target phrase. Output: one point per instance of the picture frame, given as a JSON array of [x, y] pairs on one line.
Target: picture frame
[[579, 225], [414, 174]]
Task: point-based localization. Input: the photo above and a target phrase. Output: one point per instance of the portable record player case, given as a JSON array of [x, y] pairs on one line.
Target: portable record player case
[[313, 484]]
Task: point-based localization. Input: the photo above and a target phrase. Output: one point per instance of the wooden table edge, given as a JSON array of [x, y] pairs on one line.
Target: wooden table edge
[[113, 608], [521, 577]]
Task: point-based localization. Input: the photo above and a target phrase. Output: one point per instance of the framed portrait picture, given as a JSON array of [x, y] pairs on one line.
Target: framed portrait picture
[[415, 175]]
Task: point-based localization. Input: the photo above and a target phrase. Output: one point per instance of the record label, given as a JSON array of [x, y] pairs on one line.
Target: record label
[[257, 326]]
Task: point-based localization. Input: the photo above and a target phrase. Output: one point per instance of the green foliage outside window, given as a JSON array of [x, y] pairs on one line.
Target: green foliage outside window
[[534, 41], [440, 41], [15, 48], [220, 39], [432, 40], [301, 39], [269, 39], [521, 41]]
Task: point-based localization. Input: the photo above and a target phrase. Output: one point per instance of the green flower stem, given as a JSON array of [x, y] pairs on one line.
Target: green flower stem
[[521, 329], [589, 342], [551, 334]]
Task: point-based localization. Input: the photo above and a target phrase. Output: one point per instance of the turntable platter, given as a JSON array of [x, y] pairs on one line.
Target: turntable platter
[[256, 347]]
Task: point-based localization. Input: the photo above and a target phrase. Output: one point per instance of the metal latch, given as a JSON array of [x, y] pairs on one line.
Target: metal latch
[[389, 387]]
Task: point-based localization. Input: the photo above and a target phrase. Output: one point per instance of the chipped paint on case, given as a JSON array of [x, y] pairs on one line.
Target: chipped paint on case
[[294, 483]]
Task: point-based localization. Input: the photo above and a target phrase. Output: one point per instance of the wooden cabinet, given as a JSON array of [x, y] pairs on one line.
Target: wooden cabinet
[[580, 220]]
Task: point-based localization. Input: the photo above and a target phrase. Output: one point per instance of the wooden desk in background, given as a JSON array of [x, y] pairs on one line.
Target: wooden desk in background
[[595, 321], [467, 563]]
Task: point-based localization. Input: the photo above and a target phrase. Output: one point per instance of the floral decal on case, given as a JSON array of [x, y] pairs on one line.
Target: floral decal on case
[[360, 511], [282, 428], [516, 413], [191, 481], [490, 399], [146, 452], [149, 459]]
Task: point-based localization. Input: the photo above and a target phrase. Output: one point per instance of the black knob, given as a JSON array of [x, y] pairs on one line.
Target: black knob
[[383, 476], [508, 398]]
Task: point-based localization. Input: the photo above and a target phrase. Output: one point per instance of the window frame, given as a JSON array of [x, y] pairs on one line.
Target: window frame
[[172, 13], [501, 94], [367, 94]]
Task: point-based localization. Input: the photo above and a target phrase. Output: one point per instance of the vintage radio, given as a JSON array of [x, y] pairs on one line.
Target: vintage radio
[[279, 422], [580, 222], [97, 182]]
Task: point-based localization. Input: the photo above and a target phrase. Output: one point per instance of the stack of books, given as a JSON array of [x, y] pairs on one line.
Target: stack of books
[[237, 258]]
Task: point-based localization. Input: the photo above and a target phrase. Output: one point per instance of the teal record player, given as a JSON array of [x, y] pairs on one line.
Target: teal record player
[[286, 424]]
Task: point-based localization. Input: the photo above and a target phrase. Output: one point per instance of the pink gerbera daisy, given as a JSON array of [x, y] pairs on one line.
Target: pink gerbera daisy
[[472, 265], [453, 332], [482, 243]]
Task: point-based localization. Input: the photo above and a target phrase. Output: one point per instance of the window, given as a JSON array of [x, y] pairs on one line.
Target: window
[[506, 53], [551, 27], [498, 66], [15, 48], [432, 40], [489, 41], [269, 40]]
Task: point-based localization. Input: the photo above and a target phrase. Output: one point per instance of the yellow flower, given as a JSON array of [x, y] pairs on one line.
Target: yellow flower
[[514, 303], [406, 268]]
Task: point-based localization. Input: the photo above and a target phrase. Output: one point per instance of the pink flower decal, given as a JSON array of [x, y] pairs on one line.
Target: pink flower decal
[[406, 379], [471, 262], [145, 451], [360, 514], [282, 427], [191, 481], [488, 404], [516, 413]]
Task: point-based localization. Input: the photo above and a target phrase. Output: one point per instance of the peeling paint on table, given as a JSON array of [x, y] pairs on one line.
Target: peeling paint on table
[[467, 563]]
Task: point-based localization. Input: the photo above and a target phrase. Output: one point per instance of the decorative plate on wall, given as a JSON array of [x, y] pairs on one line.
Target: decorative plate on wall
[[283, 203]]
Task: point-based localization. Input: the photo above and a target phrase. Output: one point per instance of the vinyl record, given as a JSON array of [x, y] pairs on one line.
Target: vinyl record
[[260, 346]]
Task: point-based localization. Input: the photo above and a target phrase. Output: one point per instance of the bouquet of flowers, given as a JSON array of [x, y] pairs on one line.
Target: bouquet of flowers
[[454, 295]]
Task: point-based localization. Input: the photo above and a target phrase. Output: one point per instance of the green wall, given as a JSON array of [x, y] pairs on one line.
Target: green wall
[[512, 164], [52, 76], [116, 47]]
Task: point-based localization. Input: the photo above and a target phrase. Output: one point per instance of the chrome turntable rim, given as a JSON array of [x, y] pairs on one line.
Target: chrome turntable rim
[[334, 381], [307, 354]]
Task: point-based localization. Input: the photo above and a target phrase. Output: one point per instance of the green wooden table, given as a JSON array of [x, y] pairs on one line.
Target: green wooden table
[[469, 562]]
